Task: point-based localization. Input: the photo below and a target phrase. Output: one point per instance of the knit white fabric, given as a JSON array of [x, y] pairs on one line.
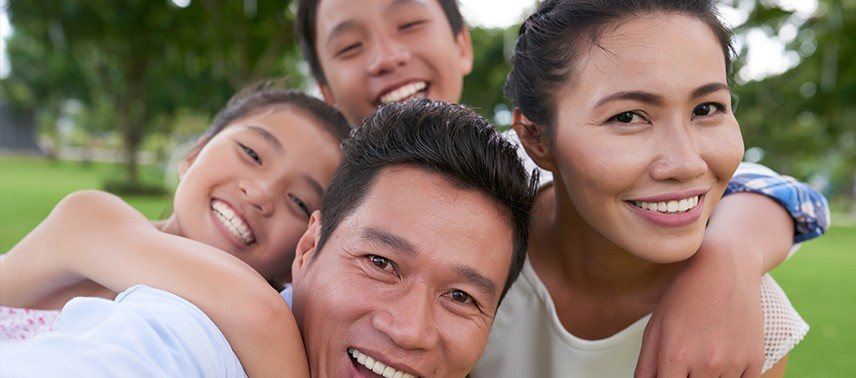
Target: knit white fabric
[[783, 327]]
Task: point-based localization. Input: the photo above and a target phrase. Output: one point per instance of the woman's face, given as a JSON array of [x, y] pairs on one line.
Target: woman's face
[[250, 190], [645, 140]]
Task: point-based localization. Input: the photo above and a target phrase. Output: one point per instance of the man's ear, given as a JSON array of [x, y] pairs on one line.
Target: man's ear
[[465, 50], [327, 94], [534, 140], [306, 246], [190, 158]]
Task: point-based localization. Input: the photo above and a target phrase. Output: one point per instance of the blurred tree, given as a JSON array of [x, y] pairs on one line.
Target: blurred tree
[[145, 59], [805, 118], [483, 86]]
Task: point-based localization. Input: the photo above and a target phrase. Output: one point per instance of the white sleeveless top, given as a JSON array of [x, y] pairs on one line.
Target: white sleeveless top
[[528, 340]]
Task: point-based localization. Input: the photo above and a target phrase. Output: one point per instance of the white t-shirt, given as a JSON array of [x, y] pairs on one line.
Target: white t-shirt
[[528, 339]]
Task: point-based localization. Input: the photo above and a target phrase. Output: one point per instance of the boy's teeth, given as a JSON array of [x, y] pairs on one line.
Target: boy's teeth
[[403, 92], [377, 367], [234, 223], [669, 207]]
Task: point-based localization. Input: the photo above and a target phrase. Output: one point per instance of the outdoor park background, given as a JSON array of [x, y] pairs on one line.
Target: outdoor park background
[[102, 94]]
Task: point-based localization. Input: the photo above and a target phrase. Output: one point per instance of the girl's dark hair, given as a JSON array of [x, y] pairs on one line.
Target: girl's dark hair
[[448, 139], [271, 93], [551, 39], [306, 20]]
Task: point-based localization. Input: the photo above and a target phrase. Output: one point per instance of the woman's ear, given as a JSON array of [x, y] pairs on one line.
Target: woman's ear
[[306, 246], [534, 140]]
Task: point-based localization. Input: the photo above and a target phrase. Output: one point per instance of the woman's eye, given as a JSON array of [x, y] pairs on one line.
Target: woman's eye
[[627, 117], [302, 205], [251, 153], [382, 263], [706, 109], [461, 297]]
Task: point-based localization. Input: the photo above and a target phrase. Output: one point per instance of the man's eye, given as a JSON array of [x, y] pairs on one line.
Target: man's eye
[[251, 153], [461, 297], [382, 263], [707, 109], [627, 117], [301, 204]]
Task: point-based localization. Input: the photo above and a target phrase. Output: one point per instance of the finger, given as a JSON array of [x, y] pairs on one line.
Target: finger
[[671, 365], [646, 365]]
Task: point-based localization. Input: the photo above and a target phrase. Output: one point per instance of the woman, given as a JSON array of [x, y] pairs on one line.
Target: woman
[[627, 105]]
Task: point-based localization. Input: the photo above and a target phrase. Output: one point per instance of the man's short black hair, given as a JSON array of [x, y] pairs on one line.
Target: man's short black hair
[[305, 22], [438, 137]]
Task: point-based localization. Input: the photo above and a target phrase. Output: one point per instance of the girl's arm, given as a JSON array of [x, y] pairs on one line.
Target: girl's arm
[[97, 236]]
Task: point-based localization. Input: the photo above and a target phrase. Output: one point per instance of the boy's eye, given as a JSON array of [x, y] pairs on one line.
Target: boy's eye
[[348, 49], [301, 204], [251, 153], [411, 24]]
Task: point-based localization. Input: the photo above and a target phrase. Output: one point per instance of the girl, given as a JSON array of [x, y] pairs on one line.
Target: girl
[[627, 105], [247, 188]]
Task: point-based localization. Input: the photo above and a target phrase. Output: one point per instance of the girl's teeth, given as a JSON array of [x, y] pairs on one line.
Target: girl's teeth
[[234, 223], [680, 206]]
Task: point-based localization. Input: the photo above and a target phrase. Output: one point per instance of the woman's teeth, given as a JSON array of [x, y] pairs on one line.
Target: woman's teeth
[[403, 92], [232, 221], [378, 367], [669, 207]]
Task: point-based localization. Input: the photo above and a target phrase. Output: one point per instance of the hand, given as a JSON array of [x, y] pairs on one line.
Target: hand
[[709, 322]]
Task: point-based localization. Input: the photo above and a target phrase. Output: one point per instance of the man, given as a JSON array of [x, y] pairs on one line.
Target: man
[[368, 53], [422, 231]]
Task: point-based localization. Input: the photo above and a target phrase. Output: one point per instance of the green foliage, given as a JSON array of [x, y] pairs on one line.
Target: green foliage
[[127, 188]]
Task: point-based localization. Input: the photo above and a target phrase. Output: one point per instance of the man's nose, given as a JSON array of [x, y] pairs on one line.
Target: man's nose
[[409, 321], [258, 195], [678, 155], [387, 55]]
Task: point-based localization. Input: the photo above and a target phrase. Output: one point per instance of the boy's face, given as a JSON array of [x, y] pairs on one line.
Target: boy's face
[[377, 51]]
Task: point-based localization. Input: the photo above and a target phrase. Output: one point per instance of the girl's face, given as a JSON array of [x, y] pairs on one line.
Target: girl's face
[[250, 190], [645, 140]]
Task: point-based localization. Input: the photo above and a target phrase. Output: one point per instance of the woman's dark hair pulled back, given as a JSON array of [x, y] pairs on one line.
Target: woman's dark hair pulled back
[[553, 38]]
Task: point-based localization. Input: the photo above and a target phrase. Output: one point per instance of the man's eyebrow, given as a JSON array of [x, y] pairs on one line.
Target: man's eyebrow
[[709, 88], [393, 241], [640, 96], [267, 136], [341, 28], [472, 276]]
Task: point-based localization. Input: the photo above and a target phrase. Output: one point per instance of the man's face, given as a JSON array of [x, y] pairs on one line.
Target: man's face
[[411, 279], [378, 51]]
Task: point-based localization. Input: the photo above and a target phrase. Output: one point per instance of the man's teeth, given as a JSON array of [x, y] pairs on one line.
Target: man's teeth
[[403, 92], [669, 207], [232, 221], [378, 367]]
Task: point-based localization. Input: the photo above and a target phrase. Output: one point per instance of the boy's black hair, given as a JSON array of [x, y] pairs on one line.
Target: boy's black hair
[[305, 23], [438, 137]]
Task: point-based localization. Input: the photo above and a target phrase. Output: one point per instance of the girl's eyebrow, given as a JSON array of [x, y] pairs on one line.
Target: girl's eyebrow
[[267, 136]]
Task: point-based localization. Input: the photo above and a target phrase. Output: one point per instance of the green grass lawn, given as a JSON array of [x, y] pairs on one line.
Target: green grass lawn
[[820, 279]]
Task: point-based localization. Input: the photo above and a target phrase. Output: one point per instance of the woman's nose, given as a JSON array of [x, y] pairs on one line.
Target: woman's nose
[[678, 158]]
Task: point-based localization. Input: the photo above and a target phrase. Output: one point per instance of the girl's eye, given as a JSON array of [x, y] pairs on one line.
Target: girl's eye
[[461, 297], [302, 205], [251, 153], [348, 49], [382, 263], [627, 117], [707, 109]]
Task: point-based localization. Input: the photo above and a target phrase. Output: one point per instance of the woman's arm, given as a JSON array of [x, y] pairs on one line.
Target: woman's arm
[[710, 318], [112, 244]]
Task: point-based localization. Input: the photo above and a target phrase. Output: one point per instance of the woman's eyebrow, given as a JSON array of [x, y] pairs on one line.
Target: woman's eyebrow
[[709, 88], [267, 136], [640, 96]]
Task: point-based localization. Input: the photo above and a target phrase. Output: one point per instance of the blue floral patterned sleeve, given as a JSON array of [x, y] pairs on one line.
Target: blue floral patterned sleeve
[[807, 207]]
